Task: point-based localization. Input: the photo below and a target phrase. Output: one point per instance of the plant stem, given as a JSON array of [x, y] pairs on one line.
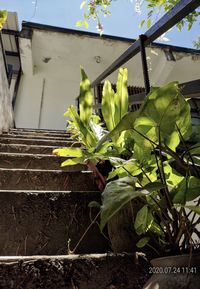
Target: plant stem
[[86, 231]]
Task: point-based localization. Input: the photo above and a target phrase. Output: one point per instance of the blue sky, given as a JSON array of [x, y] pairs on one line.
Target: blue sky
[[64, 13]]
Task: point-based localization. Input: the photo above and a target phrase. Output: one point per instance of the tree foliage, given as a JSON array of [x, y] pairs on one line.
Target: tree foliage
[[94, 9], [3, 17]]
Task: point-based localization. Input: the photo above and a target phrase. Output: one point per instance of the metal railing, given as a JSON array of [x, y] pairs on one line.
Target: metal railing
[[171, 18]]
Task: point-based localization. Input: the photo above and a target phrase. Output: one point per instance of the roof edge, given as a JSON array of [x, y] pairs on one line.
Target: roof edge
[[33, 25]]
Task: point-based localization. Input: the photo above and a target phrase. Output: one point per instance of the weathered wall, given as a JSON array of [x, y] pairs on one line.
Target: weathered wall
[[51, 72], [6, 113]]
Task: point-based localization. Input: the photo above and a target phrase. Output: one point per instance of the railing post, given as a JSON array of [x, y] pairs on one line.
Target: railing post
[[144, 63], [4, 55]]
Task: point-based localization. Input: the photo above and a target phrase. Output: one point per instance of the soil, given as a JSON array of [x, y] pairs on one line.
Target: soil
[[81, 272]]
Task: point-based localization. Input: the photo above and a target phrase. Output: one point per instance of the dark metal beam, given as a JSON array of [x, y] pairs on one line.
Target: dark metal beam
[[12, 53], [182, 9], [144, 63], [10, 32]]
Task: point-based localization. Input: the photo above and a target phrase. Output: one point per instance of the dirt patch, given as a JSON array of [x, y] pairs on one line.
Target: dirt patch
[[102, 272]]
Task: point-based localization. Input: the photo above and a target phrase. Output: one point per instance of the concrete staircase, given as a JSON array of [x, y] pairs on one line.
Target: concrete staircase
[[44, 214]]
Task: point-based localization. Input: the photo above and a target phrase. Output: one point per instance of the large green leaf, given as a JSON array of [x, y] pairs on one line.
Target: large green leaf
[[108, 105], [87, 136], [142, 242], [153, 186], [85, 99], [163, 109], [124, 168], [173, 178], [121, 96], [184, 122], [141, 220], [73, 161], [115, 195], [69, 152], [187, 190], [126, 123], [195, 209]]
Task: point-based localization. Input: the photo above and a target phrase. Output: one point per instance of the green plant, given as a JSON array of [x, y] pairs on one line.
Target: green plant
[[86, 127], [96, 8], [162, 172]]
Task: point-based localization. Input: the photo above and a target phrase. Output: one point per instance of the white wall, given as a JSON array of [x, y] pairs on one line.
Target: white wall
[[6, 113], [51, 66]]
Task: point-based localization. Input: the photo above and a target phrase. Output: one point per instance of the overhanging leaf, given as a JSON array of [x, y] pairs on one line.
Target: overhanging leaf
[[115, 195], [187, 190], [68, 152], [195, 209]]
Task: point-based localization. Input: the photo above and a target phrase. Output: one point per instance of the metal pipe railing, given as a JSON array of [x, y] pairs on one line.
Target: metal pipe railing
[[176, 14]]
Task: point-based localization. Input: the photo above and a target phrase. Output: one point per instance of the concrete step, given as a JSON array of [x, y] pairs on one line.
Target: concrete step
[[31, 141], [58, 180], [94, 271], [36, 136], [35, 161], [43, 222], [30, 149], [37, 130]]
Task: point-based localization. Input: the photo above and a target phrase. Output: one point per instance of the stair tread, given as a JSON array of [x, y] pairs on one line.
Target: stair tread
[[94, 271]]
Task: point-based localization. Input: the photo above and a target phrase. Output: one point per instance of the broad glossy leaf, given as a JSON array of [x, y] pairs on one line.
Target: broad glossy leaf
[[187, 190], [125, 124], [115, 195], [173, 178], [154, 186], [108, 105], [87, 136], [97, 129], [73, 161], [195, 149], [173, 140], [184, 121], [141, 219], [121, 96], [155, 228], [69, 152], [85, 98], [142, 242], [195, 209]]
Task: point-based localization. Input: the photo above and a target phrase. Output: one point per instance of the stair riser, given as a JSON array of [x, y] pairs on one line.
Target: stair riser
[[46, 180], [102, 272], [37, 130], [34, 133], [36, 162], [31, 149], [36, 136], [43, 222], [44, 142]]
